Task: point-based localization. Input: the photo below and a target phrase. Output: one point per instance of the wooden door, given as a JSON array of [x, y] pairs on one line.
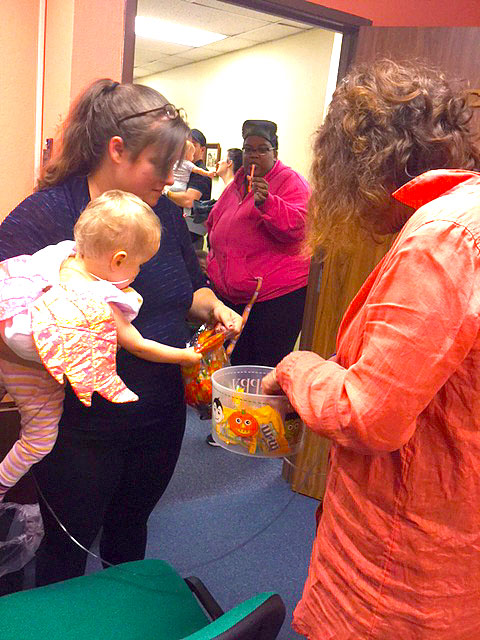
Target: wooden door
[[330, 290]]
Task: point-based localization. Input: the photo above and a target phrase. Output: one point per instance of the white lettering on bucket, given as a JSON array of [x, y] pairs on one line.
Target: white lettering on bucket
[[249, 385]]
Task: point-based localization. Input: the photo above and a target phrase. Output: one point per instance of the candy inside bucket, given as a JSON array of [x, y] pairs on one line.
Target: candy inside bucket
[[247, 422]]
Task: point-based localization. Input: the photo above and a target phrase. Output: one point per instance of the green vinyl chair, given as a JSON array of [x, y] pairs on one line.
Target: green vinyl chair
[[143, 600]]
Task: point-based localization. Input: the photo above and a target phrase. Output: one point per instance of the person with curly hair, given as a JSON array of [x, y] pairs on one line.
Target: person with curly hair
[[256, 231], [396, 552]]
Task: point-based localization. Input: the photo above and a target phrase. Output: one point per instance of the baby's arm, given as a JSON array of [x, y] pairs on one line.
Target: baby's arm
[[204, 172], [132, 340]]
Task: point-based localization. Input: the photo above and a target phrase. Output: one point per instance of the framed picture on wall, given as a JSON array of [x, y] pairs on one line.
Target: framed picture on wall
[[212, 155]]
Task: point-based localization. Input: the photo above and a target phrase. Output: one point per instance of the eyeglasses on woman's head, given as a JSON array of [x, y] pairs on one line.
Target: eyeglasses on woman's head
[[168, 111]]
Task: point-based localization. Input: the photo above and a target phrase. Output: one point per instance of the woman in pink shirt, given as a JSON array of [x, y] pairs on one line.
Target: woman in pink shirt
[[257, 230], [397, 551]]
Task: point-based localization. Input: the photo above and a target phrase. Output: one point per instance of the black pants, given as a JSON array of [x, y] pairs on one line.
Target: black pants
[[197, 240], [94, 483], [271, 331]]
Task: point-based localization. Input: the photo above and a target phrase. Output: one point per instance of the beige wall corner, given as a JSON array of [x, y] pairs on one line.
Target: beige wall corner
[[50, 50], [98, 36], [58, 64], [18, 53], [84, 41]]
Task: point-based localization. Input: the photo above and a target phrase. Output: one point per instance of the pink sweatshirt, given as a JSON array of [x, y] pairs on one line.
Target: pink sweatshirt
[[397, 552], [248, 241]]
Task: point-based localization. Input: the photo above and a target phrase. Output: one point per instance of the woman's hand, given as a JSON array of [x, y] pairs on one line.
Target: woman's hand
[[260, 190], [189, 357], [206, 307], [226, 319], [270, 385]]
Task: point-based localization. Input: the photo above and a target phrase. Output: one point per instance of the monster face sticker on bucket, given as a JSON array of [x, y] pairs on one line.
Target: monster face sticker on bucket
[[248, 422]]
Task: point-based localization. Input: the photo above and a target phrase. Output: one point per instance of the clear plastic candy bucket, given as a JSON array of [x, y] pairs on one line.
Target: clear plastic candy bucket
[[248, 422]]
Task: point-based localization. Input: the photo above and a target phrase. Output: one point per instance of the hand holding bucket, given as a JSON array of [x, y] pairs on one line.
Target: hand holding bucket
[[248, 422]]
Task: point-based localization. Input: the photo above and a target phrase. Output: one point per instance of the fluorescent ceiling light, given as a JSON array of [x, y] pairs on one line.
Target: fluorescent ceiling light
[[157, 29]]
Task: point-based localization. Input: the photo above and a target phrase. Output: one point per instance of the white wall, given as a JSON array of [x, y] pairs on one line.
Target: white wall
[[283, 81]]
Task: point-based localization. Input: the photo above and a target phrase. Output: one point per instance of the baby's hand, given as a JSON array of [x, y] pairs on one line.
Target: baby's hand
[[189, 357]]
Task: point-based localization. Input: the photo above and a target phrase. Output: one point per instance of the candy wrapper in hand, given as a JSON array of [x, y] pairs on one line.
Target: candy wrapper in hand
[[198, 378]]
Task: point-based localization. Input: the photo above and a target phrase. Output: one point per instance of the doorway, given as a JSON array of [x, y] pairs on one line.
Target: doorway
[[263, 67]]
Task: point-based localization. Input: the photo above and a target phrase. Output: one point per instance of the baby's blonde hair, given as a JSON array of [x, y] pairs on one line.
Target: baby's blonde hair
[[117, 221]]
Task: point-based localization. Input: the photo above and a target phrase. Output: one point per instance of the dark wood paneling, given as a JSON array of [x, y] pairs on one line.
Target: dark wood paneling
[[454, 50], [341, 279]]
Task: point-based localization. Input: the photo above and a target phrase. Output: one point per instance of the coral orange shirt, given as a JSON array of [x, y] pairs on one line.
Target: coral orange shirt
[[397, 552]]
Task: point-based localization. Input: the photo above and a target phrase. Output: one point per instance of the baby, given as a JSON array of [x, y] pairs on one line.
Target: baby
[[67, 307], [183, 169]]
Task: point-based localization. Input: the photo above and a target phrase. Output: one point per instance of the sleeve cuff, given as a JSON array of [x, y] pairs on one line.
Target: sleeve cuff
[[263, 206], [284, 369]]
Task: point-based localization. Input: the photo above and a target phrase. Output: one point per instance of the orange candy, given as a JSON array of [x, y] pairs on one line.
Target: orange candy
[[197, 378]]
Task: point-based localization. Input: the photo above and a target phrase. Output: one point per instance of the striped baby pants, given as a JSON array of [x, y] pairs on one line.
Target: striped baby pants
[[39, 399]]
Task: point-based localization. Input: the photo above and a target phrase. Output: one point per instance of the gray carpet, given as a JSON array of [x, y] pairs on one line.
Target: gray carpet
[[207, 524], [233, 521]]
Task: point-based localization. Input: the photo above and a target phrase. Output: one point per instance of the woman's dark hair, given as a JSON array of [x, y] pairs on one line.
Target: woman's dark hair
[[96, 116], [387, 123], [236, 156]]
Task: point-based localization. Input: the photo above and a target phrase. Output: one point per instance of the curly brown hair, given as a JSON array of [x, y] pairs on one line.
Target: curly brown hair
[[387, 123]]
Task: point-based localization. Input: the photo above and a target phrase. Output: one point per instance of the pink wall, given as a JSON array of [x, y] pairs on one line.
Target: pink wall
[[97, 42], [411, 13], [18, 55], [83, 41], [58, 64]]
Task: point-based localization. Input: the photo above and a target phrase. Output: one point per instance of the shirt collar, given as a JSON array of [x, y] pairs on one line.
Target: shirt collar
[[432, 184]]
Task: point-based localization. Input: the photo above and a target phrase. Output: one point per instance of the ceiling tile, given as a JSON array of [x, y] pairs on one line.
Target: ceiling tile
[[138, 72], [144, 56], [231, 44], [160, 48], [177, 63], [200, 53], [157, 66], [214, 15], [270, 32], [194, 15], [239, 11]]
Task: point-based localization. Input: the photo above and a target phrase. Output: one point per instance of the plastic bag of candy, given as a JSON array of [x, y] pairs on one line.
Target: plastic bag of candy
[[198, 378]]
